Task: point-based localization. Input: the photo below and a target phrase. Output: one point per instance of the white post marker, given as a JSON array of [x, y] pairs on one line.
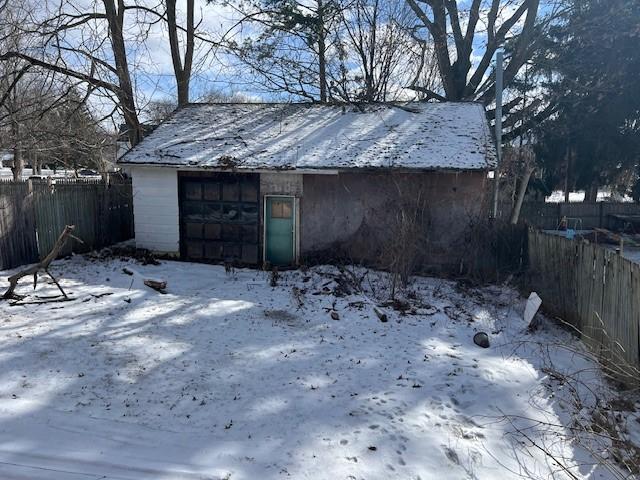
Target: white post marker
[[533, 305]]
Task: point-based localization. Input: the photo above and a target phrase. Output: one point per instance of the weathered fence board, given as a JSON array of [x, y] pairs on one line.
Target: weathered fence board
[[35, 212], [592, 288]]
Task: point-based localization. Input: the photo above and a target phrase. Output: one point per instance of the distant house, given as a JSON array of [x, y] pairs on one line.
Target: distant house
[[285, 183]]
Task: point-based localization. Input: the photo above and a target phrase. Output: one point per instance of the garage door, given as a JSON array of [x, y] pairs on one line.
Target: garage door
[[219, 218]]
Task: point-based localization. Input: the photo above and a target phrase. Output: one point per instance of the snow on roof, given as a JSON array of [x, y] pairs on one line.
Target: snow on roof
[[308, 136]]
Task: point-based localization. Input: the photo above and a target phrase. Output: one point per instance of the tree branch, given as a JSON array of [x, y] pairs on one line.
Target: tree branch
[[96, 82]]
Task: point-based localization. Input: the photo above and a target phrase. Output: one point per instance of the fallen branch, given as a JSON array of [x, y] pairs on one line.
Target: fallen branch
[[156, 284], [380, 314], [43, 265], [60, 298]]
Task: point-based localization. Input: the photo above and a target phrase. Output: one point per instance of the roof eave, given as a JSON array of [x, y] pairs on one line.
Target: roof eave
[[306, 170]]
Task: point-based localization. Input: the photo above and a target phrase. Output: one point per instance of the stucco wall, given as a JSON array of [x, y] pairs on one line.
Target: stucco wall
[[352, 212], [155, 209], [355, 212]]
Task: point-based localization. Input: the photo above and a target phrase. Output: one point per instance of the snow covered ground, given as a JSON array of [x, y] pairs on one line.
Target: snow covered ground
[[227, 377], [6, 173], [575, 197]]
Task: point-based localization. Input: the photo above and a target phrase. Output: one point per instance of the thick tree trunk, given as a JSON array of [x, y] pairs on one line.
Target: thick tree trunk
[[181, 72], [451, 28], [522, 191], [115, 19]]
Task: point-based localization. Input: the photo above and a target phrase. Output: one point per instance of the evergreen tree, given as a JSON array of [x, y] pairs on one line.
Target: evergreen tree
[[593, 60]]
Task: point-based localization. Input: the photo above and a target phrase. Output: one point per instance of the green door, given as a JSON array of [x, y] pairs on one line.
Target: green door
[[279, 230]]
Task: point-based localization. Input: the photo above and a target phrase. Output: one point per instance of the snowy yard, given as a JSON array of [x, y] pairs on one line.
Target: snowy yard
[[227, 377]]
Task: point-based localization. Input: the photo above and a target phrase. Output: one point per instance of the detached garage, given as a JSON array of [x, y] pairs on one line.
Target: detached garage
[[282, 183]]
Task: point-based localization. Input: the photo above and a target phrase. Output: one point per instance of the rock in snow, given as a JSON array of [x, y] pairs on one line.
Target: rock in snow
[[481, 339]]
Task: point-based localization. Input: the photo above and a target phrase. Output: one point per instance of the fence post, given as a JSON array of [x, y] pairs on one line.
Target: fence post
[[559, 217]]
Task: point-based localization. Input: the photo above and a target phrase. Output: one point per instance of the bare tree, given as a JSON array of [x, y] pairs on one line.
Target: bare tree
[[191, 35], [158, 110], [378, 56], [498, 21], [47, 122], [330, 50], [181, 67], [291, 49], [215, 95], [15, 104], [83, 57], [114, 15]]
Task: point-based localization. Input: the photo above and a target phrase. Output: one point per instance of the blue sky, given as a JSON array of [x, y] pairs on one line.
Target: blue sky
[[150, 59]]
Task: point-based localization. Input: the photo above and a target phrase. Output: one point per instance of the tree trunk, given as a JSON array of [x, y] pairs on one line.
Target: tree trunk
[[37, 166], [591, 193], [188, 55], [322, 52], [522, 191], [115, 19], [18, 161], [566, 175], [181, 72], [456, 30]]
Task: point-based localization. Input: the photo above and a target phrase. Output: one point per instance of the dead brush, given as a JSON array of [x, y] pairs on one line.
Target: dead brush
[[274, 276], [598, 413], [402, 253], [229, 267], [298, 297]]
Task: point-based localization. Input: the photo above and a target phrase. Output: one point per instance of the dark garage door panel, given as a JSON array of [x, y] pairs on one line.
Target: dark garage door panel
[[219, 217]]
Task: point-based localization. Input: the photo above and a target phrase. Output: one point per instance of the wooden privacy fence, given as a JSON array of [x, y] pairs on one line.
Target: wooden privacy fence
[[34, 212], [18, 243], [595, 290], [547, 216]]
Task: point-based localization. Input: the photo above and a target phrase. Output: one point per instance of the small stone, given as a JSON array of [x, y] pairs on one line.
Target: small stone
[[481, 339]]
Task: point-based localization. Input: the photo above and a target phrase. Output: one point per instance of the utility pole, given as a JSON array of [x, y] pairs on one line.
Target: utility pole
[[499, 88]]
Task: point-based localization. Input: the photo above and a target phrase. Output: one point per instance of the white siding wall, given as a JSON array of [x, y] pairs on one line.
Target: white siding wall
[[155, 208]]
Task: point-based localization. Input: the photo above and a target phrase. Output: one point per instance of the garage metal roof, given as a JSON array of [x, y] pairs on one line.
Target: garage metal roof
[[425, 136]]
